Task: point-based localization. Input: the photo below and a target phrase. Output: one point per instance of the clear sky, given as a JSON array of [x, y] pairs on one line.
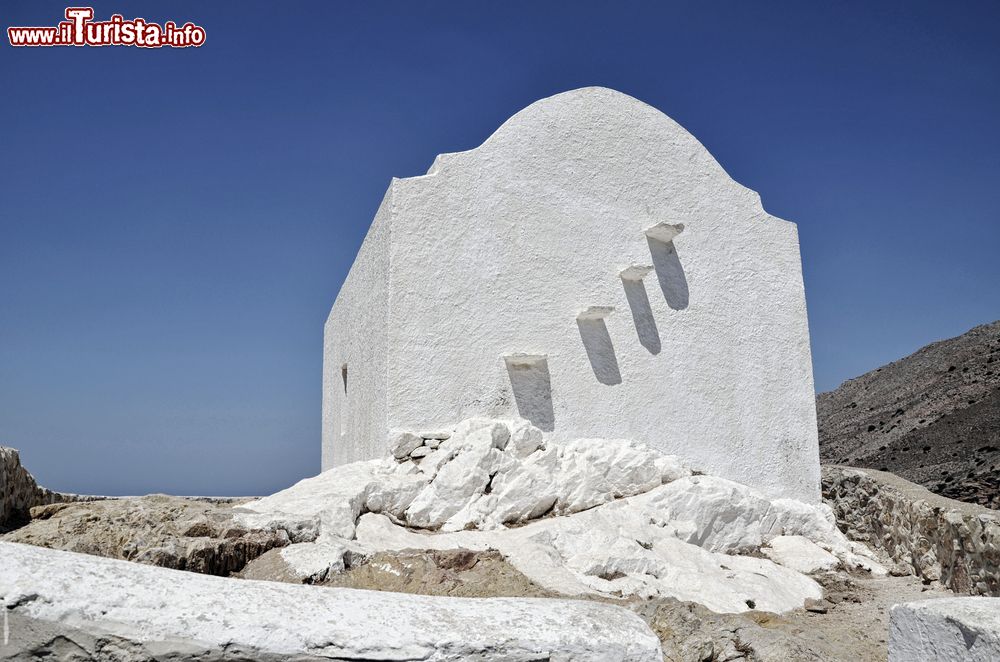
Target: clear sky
[[175, 224]]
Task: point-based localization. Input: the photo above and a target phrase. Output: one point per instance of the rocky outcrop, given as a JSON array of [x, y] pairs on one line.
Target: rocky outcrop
[[931, 536], [198, 535], [192, 534], [19, 492], [932, 418], [851, 626], [591, 517], [62, 605], [487, 474]]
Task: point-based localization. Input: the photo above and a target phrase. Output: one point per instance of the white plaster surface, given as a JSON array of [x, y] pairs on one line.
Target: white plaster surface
[[606, 517], [182, 612], [496, 250], [966, 629], [356, 336]]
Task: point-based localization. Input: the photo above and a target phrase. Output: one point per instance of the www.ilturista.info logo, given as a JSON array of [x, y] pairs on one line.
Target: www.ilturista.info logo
[[80, 30]]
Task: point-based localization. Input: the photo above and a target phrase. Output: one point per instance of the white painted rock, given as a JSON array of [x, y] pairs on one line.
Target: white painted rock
[[799, 554], [966, 629], [402, 443], [314, 561], [525, 439], [420, 452], [475, 458], [609, 551], [724, 516], [604, 517], [185, 615], [333, 500], [596, 471]]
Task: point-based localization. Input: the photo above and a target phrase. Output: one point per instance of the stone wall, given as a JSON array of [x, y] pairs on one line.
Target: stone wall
[[924, 534], [19, 492]]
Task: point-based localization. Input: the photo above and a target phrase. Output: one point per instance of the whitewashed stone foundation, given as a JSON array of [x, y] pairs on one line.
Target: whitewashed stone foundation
[[587, 517]]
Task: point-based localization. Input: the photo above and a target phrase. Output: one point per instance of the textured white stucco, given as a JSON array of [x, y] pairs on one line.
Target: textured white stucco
[[945, 629], [497, 251], [355, 336]]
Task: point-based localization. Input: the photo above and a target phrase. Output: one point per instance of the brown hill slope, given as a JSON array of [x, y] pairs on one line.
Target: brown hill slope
[[932, 418]]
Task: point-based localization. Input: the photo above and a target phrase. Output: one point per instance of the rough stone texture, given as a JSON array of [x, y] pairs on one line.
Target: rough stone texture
[[482, 477], [420, 452], [853, 629], [100, 608], [800, 554], [965, 629], [455, 572], [612, 552], [925, 534], [932, 418], [19, 491], [173, 532], [601, 517], [402, 443], [854, 626], [464, 300]]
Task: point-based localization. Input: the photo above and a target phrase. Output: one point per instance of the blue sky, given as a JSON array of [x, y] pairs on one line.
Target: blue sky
[[174, 224]]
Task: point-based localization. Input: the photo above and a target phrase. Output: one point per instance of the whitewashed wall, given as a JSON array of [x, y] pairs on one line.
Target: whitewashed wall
[[354, 418], [496, 250]]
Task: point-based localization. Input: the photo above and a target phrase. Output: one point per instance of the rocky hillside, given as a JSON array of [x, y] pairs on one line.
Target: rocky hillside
[[932, 418]]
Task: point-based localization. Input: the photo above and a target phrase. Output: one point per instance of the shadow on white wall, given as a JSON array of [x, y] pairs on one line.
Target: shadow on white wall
[[642, 314], [600, 350], [532, 388], [669, 272]]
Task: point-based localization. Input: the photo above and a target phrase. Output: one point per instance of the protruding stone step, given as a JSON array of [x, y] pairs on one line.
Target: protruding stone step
[[522, 360], [665, 232], [635, 272], [595, 313]]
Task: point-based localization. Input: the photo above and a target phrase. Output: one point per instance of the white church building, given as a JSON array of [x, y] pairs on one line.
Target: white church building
[[590, 268]]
